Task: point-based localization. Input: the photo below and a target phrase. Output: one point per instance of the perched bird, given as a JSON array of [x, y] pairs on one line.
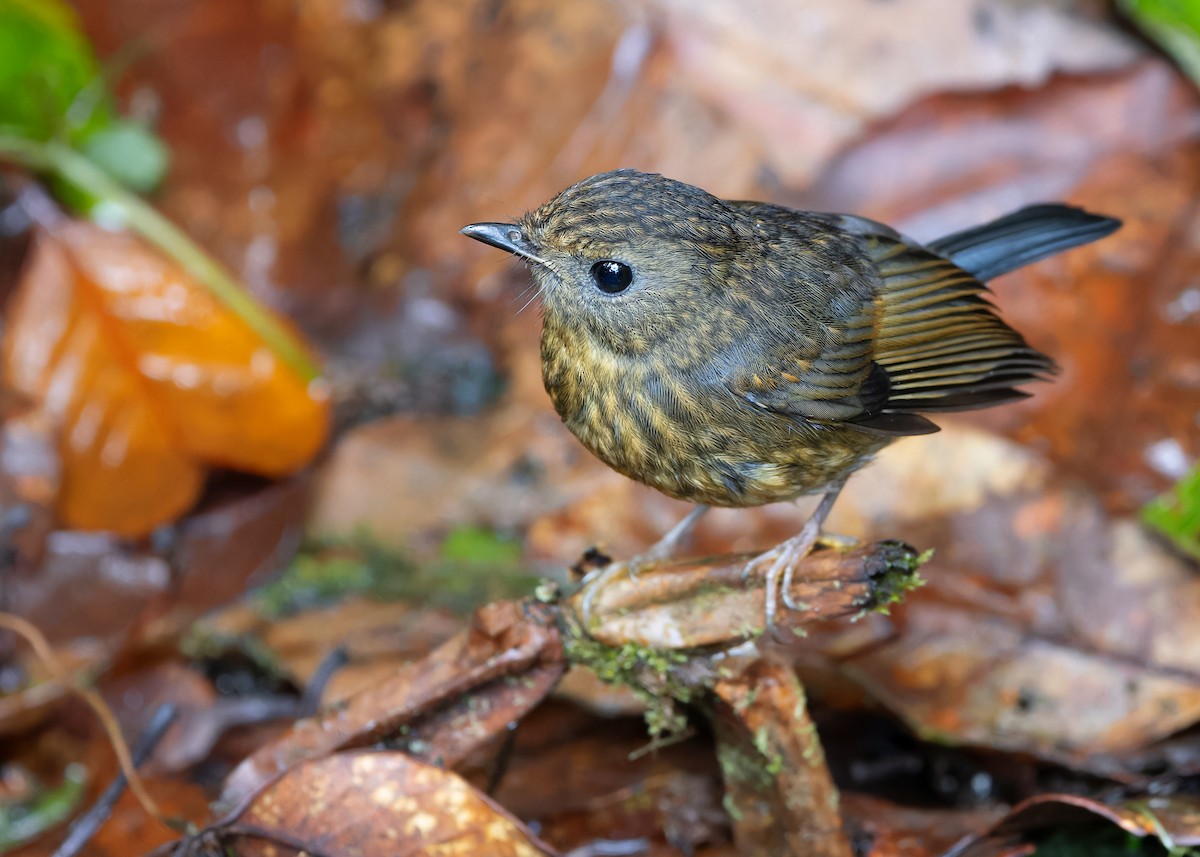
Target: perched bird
[[734, 353]]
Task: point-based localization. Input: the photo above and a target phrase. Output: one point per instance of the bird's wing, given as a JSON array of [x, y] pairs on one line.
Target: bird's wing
[[925, 339], [940, 339], [820, 364]]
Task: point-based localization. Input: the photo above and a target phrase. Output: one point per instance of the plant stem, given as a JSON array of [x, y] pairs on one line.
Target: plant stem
[[137, 215]]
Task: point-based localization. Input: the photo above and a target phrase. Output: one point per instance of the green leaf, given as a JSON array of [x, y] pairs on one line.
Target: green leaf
[[130, 153], [27, 818], [57, 119], [1176, 514], [1175, 25], [46, 65]]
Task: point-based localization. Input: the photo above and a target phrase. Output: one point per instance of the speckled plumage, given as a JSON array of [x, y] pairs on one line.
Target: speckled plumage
[[762, 353]]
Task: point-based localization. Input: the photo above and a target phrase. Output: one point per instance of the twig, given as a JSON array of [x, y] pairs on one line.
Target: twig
[[686, 604], [85, 827], [45, 654], [310, 700], [128, 209]]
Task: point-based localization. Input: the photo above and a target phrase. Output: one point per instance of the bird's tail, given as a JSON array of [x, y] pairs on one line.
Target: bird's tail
[[939, 340], [1022, 238]]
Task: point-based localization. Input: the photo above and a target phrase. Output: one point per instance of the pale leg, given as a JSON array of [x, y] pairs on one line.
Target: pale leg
[[785, 557], [664, 548]]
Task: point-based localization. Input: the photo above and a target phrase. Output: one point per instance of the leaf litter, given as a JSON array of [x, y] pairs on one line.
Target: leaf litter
[[1053, 631]]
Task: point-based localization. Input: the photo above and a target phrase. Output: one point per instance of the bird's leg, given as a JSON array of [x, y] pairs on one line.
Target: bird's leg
[[664, 548], [785, 557]]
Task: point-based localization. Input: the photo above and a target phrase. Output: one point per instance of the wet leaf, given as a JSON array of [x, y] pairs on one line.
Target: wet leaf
[[378, 637], [564, 772], [1046, 626], [883, 829], [1174, 821], [46, 63], [1174, 24], [1177, 514], [41, 810], [378, 804], [149, 380], [94, 584]]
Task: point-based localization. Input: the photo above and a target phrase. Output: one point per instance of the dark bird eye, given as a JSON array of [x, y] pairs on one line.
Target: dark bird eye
[[612, 277]]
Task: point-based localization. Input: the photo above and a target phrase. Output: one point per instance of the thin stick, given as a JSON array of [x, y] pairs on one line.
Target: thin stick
[[85, 827], [41, 647]]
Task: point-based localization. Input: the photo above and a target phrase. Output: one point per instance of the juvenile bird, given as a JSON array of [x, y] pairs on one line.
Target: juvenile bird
[[734, 353]]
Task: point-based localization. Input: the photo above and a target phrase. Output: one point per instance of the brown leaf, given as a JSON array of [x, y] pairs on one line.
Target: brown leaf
[[585, 778], [1174, 820], [1046, 626], [505, 639], [40, 695], [883, 829], [379, 637], [377, 804], [94, 584]]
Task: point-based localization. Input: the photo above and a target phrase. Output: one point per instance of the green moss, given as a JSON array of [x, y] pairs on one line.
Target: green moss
[[738, 766], [650, 673], [762, 743], [893, 573], [472, 568], [731, 808], [814, 754], [1103, 841], [29, 816], [471, 544]]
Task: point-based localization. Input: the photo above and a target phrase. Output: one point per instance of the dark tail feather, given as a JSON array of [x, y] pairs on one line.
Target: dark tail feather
[[1022, 238]]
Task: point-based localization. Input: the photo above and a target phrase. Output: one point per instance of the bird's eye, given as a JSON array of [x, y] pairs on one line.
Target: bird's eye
[[612, 277]]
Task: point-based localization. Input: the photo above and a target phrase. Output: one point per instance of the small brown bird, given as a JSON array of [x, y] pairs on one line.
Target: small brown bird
[[736, 353]]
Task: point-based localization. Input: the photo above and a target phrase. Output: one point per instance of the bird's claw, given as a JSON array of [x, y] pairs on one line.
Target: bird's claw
[[783, 560]]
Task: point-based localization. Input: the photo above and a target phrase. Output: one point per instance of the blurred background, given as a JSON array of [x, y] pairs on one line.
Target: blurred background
[[326, 153]]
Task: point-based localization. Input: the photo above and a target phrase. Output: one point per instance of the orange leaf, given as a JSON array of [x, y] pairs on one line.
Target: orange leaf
[[149, 380]]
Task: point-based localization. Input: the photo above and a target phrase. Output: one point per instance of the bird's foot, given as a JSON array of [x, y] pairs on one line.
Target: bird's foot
[[664, 549], [596, 580], [780, 563]]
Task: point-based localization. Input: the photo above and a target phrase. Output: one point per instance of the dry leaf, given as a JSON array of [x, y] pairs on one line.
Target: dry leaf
[[457, 696], [379, 804]]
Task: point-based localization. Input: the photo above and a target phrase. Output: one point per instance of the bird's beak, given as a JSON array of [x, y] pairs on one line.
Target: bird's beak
[[506, 236]]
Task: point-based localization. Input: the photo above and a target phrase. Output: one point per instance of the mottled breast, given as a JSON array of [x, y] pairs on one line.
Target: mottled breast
[[688, 436]]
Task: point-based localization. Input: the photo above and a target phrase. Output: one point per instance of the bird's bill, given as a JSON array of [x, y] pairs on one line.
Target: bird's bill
[[506, 236]]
